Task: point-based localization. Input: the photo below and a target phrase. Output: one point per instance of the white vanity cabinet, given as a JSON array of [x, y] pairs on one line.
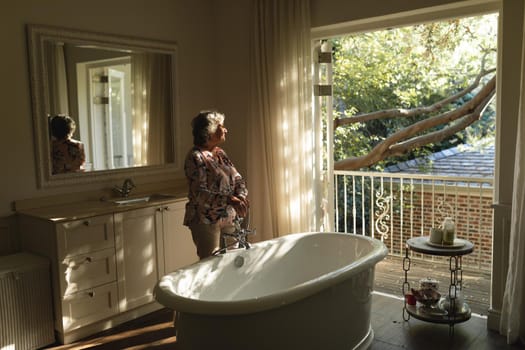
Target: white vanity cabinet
[[83, 270], [106, 262]]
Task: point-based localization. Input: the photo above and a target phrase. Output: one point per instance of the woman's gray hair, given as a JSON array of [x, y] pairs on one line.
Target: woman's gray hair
[[204, 125], [215, 119]]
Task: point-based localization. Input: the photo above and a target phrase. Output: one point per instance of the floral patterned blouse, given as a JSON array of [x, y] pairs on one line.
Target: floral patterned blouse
[[67, 156], [212, 179]]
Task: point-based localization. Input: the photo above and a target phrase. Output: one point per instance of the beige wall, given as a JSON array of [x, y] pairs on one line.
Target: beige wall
[[232, 82], [204, 36]]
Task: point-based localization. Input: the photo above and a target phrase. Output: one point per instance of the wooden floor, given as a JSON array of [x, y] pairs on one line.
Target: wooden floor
[[156, 331], [153, 331]]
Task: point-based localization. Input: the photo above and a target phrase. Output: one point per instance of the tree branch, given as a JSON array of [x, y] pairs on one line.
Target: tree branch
[[400, 112], [394, 145]]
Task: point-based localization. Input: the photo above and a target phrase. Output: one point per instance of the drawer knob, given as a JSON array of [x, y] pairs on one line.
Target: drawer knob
[[86, 222], [88, 259], [91, 294]]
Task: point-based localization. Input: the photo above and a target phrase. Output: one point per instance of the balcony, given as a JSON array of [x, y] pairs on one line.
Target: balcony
[[394, 207]]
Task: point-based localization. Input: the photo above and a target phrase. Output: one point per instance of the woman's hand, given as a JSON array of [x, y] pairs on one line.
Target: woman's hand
[[240, 205]]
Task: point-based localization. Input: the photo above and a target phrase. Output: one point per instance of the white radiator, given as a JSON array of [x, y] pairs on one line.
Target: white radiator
[[26, 313]]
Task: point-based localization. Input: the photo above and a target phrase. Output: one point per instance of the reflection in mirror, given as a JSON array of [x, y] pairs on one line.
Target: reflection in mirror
[[67, 154], [118, 90]]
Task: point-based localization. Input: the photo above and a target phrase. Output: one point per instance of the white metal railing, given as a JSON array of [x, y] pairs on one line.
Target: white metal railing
[[394, 207]]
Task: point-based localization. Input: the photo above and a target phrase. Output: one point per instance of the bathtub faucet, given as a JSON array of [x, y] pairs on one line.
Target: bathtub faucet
[[239, 236]]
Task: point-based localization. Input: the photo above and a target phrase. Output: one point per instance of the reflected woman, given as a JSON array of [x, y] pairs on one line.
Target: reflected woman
[[217, 192], [67, 154]]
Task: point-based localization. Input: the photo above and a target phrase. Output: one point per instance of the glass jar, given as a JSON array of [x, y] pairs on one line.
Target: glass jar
[[449, 231]]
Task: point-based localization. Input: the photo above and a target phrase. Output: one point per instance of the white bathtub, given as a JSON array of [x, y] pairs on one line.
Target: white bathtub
[[300, 291]]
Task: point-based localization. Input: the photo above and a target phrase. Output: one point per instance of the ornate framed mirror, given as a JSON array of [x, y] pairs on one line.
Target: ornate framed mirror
[[120, 93]]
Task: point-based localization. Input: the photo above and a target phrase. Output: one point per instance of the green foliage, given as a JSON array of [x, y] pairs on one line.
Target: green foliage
[[406, 68]]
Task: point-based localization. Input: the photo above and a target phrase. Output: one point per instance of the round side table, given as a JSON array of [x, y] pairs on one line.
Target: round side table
[[436, 313]]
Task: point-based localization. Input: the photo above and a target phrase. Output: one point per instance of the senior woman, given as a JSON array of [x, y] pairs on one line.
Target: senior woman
[[217, 192]]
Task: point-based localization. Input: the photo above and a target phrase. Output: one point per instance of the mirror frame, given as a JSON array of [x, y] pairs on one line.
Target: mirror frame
[[36, 34]]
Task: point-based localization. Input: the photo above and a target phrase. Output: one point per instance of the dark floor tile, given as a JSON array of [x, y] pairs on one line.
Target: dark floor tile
[[392, 332]]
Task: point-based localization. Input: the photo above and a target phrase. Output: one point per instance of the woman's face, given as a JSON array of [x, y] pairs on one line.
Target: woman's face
[[219, 136]]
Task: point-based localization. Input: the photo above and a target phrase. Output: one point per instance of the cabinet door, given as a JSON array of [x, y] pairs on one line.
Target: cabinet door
[[136, 234], [179, 249]]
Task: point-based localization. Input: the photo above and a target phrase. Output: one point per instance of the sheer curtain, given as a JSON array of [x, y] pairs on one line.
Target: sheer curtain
[[160, 121], [512, 323], [57, 77], [140, 95], [150, 95], [281, 142]]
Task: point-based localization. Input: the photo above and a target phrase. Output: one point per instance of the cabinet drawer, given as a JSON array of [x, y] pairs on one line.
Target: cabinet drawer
[[89, 306], [86, 235], [87, 271]]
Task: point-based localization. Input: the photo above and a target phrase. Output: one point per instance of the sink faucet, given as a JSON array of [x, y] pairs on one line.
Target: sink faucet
[[126, 188]]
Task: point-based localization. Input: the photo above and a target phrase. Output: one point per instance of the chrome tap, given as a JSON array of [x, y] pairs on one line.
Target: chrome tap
[[239, 236], [126, 188]]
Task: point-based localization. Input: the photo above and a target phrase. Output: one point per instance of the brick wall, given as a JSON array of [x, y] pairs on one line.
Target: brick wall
[[472, 215]]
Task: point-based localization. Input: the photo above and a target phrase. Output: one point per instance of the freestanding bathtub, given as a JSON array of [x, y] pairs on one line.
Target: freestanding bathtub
[[300, 291]]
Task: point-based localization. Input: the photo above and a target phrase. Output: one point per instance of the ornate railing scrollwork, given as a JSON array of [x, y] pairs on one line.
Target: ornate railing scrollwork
[[382, 214]]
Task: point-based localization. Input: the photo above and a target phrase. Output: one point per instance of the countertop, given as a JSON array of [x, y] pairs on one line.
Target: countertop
[[89, 208]]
